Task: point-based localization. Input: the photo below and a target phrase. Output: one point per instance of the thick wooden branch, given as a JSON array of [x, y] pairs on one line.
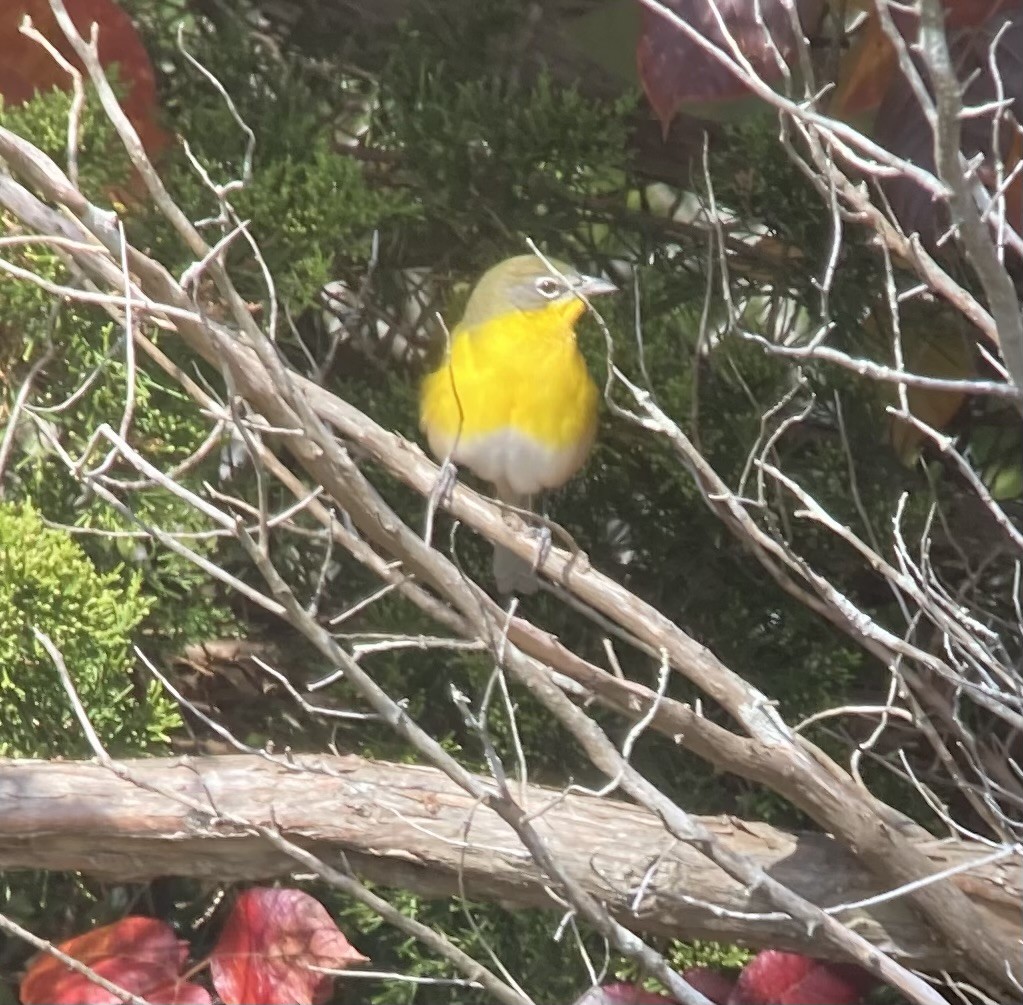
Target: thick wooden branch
[[410, 826], [975, 939]]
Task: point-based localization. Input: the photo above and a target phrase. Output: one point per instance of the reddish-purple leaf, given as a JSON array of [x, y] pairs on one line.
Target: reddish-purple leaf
[[176, 992], [965, 13], [675, 68], [869, 67], [902, 127], [710, 983], [866, 72], [268, 944], [26, 68], [776, 978], [621, 994], [141, 955]]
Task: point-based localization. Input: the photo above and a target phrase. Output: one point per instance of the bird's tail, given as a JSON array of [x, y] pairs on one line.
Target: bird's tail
[[511, 573]]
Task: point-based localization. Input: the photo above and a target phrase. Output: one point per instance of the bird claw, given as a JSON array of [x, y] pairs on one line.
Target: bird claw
[[447, 478], [545, 541], [579, 561]]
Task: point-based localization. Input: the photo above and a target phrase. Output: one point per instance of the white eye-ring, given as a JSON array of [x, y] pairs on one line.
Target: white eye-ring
[[548, 287]]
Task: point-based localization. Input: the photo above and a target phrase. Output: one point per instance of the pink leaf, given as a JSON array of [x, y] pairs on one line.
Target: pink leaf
[[902, 128], [622, 994], [675, 69], [268, 944], [26, 68], [141, 955], [710, 983], [776, 978], [962, 13], [177, 993]]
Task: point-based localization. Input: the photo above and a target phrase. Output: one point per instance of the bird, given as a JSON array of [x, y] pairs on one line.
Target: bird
[[513, 400]]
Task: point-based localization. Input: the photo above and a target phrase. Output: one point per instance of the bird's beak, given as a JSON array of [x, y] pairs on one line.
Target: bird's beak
[[594, 286]]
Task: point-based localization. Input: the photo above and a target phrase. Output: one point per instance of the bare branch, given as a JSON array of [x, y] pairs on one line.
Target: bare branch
[[409, 826]]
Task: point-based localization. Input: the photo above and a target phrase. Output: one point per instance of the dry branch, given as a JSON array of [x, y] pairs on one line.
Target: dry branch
[[288, 402], [410, 826], [754, 885]]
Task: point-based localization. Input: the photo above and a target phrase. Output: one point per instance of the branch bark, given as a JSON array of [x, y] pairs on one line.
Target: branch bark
[[410, 826], [946, 122], [819, 786]]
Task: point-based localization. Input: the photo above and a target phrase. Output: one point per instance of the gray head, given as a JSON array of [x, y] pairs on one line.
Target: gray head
[[524, 283]]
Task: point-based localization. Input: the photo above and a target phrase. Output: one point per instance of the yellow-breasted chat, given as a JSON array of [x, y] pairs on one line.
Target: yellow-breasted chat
[[513, 400]]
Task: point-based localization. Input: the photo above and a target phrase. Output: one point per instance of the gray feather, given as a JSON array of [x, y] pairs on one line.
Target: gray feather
[[511, 573]]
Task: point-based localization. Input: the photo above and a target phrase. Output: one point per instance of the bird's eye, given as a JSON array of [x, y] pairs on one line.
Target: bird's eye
[[548, 287]]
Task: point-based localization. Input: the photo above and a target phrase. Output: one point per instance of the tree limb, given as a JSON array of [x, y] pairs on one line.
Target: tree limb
[[410, 826]]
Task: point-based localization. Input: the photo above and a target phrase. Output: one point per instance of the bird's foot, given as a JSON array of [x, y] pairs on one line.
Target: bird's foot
[[578, 561], [447, 479], [544, 543], [518, 576]]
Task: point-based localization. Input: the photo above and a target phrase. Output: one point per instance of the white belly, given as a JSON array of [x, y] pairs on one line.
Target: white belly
[[512, 461]]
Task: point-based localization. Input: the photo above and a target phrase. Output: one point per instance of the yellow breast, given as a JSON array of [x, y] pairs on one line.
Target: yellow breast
[[514, 401]]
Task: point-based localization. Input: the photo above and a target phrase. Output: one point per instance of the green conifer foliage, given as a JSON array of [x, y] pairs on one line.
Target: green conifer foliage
[[49, 585]]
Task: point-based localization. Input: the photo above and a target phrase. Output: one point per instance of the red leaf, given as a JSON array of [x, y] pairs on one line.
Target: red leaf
[[969, 13], [178, 993], [902, 128], [676, 69], [621, 994], [141, 955], [866, 72], [776, 978], [26, 68], [710, 983], [868, 69], [267, 945]]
